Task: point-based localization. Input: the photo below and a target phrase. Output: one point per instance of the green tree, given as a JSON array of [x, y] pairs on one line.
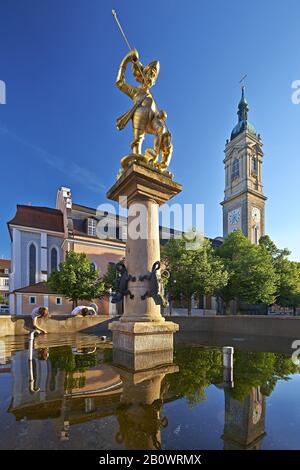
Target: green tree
[[77, 279], [1, 299], [110, 278], [289, 284], [252, 277], [197, 271], [288, 274]]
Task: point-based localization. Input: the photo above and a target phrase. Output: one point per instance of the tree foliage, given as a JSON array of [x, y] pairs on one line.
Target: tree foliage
[[252, 277], [62, 358], [288, 274], [77, 278], [110, 278], [199, 367], [198, 271]]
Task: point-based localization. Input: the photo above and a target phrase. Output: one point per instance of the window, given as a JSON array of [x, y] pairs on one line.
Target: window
[[6, 271], [58, 301], [92, 227], [53, 259], [235, 173], [6, 282], [255, 235], [32, 300], [32, 264], [254, 165]]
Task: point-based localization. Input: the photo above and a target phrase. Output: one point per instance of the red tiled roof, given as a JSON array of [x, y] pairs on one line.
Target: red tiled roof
[[43, 218], [38, 288], [4, 263]]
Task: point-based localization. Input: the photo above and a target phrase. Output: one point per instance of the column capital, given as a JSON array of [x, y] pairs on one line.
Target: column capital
[[140, 180]]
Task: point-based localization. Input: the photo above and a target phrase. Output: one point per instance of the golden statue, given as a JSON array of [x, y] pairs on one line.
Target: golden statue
[[145, 116]]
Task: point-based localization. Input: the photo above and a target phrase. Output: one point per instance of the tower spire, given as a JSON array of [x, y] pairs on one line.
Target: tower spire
[[243, 107]]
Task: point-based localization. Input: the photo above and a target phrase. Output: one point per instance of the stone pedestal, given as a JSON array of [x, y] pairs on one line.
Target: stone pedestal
[[140, 412], [145, 344], [142, 189]]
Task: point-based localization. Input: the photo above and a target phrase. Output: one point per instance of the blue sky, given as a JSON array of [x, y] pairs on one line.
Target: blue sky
[[59, 60]]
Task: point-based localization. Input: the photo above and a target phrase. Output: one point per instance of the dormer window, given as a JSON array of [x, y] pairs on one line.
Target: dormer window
[[235, 172], [91, 227]]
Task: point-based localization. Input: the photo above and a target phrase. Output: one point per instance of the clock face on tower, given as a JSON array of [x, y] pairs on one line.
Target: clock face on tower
[[234, 217], [255, 214]]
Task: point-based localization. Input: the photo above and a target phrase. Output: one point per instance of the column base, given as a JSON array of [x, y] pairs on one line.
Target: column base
[[141, 345]]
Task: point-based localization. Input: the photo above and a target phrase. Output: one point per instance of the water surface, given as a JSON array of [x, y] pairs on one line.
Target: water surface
[[65, 393]]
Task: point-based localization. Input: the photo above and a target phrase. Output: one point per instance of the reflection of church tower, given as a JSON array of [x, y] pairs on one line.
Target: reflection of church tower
[[244, 201], [244, 426]]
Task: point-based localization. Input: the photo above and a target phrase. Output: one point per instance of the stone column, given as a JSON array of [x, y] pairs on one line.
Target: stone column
[[141, 254], [142, 189]]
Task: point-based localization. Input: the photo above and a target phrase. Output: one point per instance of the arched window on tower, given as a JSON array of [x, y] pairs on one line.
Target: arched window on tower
[[32, 264], [53, 259], [235, 172], [254, 165]]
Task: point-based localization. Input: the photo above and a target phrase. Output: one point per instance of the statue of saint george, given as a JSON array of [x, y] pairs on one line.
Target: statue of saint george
[[145, 116]]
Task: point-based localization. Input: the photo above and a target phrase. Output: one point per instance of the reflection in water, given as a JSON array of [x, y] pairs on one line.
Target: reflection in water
[[76, 385], [244, 421], [139, 412]]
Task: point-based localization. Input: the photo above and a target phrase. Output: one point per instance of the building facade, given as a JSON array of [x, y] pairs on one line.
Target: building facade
[[40, 238], [4, 279], [244, 200]]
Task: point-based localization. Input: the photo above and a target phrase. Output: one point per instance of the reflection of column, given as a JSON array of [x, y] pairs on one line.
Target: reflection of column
[[139, 413], [244, 426]]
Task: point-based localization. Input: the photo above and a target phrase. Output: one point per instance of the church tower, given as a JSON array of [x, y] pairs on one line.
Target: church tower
[[244, 201]]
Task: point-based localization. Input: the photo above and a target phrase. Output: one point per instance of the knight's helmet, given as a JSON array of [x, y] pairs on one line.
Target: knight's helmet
[[138, 67]]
